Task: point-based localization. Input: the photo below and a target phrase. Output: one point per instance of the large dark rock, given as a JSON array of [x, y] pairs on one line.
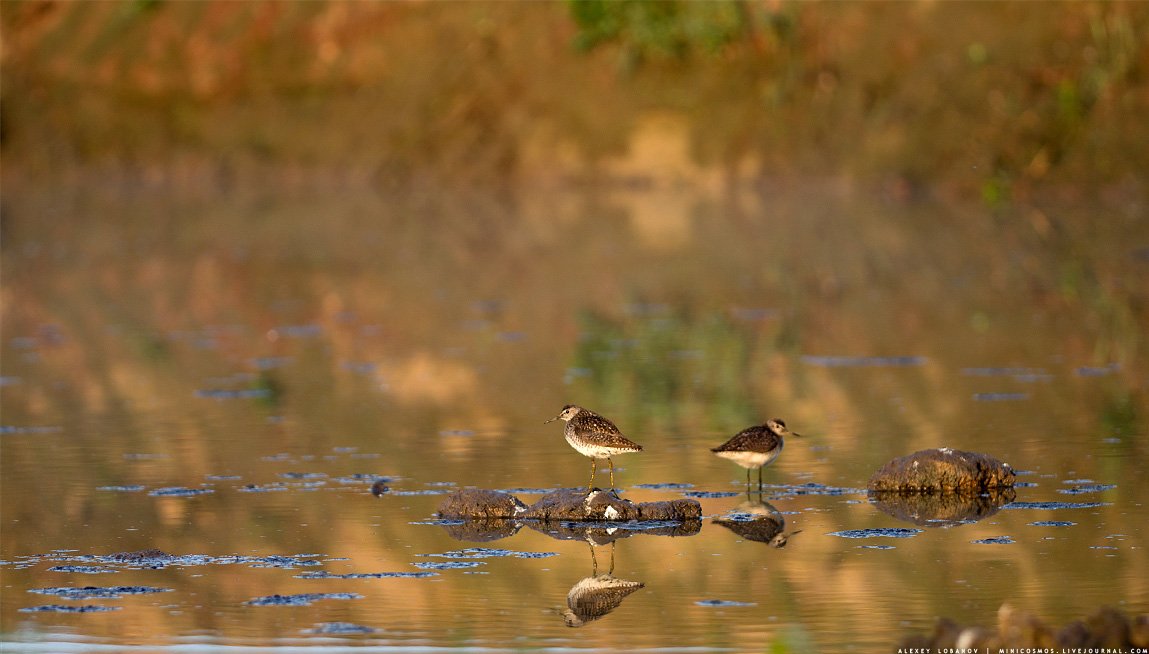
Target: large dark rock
[[478, 503], [1107, 629], [576, 504], [683, 509], [941, 509], [943, 470]]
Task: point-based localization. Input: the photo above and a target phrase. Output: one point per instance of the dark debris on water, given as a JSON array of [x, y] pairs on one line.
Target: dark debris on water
[[180, 491], [448, 565], [1086, 488], [888, 532], [723, 603], [488, 553], [59, 608], [1051, 506], [301, 599], [97, 592], [366, 575], [155, 559]]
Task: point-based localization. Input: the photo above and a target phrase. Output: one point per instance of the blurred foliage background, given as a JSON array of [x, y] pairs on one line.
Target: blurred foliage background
[[989, 100]]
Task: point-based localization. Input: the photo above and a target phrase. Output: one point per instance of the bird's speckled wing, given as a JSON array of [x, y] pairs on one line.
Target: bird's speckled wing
[[592, 428], [751, 439]]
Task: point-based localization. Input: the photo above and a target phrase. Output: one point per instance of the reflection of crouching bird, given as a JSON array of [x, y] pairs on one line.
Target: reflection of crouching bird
[[594, 597], [758, 521], [597, 595]]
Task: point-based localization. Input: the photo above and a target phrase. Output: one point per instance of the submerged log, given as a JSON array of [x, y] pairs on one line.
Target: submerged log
[[943, 470], [565, 504]]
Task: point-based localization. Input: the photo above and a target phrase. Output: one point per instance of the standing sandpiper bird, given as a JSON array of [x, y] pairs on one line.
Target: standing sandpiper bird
[[755, 447], [594, 436]]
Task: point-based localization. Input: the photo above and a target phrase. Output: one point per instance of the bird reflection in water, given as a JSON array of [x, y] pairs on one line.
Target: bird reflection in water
[[759, 521], [597, 595]]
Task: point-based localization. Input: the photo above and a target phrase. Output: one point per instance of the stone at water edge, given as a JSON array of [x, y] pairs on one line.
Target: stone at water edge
[[479, 503], [943, 470]]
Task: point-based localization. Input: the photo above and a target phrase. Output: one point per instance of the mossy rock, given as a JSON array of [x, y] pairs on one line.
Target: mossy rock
[[943, 470]]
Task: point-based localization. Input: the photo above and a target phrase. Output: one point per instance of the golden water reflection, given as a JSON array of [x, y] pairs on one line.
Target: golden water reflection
[[267, 348]]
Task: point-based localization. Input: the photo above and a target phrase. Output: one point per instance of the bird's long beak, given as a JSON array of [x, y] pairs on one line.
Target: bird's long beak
[[794, 433], [551, 420]]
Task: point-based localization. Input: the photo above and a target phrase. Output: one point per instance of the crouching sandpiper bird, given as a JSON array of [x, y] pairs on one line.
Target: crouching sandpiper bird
[[594, 436], [756, 447]]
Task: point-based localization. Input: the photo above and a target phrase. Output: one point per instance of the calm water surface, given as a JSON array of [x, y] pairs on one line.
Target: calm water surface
[[223, 380]]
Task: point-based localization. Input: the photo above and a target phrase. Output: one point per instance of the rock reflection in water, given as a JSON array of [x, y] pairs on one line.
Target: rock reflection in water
[[941, 509], [759, 521], [483, 530], [597, 595]]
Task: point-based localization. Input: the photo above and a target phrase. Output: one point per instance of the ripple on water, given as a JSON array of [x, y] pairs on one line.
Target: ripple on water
[[340, 628], [97, 592], [448, 565], [710, 494], [488, 553], [998, 540], [862, 361], [1086, 488], [1000, 397], [887, 532], [82, 569], [1052, 506]]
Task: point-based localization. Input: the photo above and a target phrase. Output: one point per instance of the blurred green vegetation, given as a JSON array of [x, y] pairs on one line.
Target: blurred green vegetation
[[670, 366], [988, 100]]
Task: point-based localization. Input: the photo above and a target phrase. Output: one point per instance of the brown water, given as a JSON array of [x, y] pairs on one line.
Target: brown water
[[282, 353]]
